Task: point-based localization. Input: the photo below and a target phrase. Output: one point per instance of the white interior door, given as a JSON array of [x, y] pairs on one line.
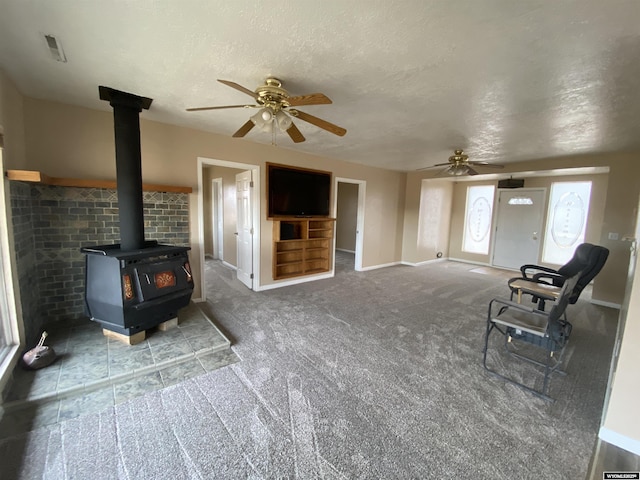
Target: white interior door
[[518, 227], [244, 232]]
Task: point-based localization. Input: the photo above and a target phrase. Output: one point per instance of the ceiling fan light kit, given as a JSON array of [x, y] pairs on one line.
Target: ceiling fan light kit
[[263, 120], [284, 121], [458, 170], [275, 113]]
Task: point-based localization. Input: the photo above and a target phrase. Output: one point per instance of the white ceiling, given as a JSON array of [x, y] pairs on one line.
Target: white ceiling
[[410, 80]]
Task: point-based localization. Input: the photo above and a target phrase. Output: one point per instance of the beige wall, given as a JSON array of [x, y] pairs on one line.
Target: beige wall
[[621, 417], [12, 124], [619, 216], [68, 141], [346, 218]]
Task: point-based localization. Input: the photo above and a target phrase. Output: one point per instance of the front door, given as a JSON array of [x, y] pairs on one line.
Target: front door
[[518, 227], [244, 228]]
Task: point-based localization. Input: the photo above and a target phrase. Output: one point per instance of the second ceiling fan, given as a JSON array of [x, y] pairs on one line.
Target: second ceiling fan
[[275, 112], [459, 164]]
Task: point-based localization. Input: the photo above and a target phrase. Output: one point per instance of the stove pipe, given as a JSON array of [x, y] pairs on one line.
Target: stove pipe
[[126, 113]]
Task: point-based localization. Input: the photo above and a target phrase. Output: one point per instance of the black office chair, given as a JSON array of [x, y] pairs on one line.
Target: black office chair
[[544, 283], [548, 331]]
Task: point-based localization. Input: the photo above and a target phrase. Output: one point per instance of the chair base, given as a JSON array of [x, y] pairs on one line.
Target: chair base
[[551, 365]]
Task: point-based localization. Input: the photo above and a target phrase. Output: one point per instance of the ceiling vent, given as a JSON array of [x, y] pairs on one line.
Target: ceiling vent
[[511, 183], [55, 48]]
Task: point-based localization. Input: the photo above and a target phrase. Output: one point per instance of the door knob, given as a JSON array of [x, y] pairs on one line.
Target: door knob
[[535, 235]]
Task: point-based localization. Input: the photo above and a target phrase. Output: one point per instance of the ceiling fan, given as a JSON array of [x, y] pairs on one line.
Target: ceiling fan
[[459, 165], [275, 111]]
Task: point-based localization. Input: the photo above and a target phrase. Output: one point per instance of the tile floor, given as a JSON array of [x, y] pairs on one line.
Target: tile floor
[[93, 372]]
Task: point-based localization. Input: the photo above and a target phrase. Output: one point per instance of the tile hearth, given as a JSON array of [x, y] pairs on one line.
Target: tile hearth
[[93, 372]]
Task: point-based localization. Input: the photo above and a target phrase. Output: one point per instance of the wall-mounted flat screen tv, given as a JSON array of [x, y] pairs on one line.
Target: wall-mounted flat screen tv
[[297, 192]]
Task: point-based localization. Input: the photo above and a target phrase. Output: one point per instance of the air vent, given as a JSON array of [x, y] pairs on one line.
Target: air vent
[[511, 183], [55, 48]]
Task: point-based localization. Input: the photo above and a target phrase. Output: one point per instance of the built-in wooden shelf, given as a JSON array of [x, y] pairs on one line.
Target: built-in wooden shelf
[[39, 177], [301, 246]]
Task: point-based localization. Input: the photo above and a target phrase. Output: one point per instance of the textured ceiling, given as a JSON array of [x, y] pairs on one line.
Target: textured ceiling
[[410, 80]]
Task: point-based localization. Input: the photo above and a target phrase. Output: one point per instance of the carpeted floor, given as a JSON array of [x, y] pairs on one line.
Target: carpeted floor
[[367, 375]]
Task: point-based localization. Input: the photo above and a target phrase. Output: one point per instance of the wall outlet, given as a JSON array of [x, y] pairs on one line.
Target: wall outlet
[[613, 236]]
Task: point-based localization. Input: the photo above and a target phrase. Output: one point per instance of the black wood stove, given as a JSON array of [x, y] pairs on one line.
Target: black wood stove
[[136, 284]]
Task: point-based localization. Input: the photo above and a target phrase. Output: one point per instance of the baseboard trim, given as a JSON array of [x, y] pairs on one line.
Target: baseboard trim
[[425, 262], [296, 281], [383, 265], [460, 260], [617, 306], [232, 267], [629, 444]]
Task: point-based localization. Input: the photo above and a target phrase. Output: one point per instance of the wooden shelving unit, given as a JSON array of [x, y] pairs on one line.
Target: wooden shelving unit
[[302, 246]]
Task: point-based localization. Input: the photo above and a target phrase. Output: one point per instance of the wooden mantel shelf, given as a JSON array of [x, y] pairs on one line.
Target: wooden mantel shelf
[[39, 177]]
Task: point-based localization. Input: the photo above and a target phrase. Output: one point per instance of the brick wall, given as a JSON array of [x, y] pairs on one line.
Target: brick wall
[[64, 219], [26, 264]]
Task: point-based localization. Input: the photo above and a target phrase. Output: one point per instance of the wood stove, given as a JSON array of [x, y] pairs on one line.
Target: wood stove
[[136, 284]]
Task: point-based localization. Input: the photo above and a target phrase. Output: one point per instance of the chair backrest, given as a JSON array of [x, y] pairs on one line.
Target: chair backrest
[[555, 327], [587, 260]]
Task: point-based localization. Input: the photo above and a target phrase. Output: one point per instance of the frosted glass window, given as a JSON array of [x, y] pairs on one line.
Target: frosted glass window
[[477, 225], [566, 220], [433, 209]]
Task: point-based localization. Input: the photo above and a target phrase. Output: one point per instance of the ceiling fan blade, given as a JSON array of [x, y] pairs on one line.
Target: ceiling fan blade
[[310, 99], [471, 171], [318, 122], [217, 108], [295, 134], [240, 88], [485, 164], [433, 166], [244, 129]]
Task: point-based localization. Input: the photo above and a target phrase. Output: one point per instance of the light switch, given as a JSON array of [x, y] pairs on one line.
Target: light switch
[[613, 236]]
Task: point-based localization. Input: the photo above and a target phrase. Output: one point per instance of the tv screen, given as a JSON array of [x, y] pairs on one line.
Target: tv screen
[[294, 192]]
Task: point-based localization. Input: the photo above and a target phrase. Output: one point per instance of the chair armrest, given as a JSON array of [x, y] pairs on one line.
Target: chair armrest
[[555, 279], [537, 289], [526, 267]]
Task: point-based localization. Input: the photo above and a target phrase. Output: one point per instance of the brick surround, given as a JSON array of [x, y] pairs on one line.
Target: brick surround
[[50, 226]]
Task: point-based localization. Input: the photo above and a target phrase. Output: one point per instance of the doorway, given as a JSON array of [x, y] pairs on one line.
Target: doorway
[[518, 227], [349, 214], [218, 218], [206, 217]]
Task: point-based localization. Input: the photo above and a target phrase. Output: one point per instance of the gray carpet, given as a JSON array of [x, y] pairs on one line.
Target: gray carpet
[[367, 375]]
